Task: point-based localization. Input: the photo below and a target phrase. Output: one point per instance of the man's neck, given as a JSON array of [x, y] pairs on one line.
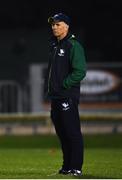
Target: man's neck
[[62, 36]]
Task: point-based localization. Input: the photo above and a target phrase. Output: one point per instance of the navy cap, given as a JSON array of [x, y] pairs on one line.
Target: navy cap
[[58, 18]]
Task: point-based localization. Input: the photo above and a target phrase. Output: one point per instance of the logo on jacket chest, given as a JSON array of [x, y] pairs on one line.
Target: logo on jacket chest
[[61, 52]]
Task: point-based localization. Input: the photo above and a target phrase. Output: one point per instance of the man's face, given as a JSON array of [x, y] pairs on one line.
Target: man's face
[[59, 28]]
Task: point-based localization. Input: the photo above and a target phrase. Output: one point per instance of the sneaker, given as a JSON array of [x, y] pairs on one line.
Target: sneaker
[[64, 171], [76, 172]]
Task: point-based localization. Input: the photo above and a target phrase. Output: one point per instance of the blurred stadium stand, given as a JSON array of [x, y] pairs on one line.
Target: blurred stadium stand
[[24, 37]]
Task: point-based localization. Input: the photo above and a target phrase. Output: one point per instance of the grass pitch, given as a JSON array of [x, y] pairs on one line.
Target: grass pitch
[[40, 157]]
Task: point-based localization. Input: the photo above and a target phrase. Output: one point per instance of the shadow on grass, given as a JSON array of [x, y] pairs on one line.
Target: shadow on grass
[[48, 141]]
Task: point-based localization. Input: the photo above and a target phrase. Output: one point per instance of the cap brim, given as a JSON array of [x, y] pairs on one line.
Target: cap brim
[[52, 20]]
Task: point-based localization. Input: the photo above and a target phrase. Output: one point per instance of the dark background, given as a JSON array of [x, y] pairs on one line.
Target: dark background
[[24, 30]]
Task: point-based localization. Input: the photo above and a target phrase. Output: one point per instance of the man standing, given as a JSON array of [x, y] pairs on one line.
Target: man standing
[[66, 68]]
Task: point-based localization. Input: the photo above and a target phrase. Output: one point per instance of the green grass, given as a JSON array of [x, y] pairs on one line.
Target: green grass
[[40, 157]]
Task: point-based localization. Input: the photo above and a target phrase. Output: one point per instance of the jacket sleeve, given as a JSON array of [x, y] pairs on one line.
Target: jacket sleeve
[[78, 63]]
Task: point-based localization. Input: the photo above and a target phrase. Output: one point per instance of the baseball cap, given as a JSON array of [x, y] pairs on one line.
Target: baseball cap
[[59, 17]]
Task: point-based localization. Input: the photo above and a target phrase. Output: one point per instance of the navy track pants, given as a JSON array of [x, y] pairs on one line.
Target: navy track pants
[[65, 117]]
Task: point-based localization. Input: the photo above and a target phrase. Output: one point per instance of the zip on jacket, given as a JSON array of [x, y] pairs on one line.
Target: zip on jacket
[[50, 71]]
